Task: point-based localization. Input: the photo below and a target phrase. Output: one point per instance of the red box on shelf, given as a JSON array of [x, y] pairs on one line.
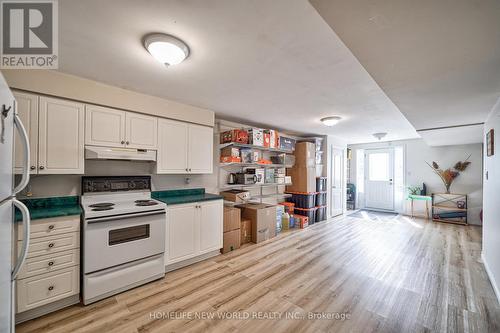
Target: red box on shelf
[[236, 135], [230, 159], [267, 140]]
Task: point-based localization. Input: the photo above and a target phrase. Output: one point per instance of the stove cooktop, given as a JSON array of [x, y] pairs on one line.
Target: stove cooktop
[[110, 204]]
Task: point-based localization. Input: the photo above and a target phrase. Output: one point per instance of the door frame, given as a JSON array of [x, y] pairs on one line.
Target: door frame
[[342, 151], [366, 176]]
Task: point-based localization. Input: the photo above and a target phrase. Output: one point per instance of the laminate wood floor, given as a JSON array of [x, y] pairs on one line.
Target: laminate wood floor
[[351, 275]]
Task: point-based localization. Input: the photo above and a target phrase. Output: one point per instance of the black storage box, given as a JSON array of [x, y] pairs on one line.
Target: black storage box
[[309, 212], [303, 200], [321, 184], [320, 198], [320, 213]]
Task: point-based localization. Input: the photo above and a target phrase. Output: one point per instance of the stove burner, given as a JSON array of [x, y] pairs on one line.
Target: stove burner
[[98, 209], [145, 203], [102, 205]]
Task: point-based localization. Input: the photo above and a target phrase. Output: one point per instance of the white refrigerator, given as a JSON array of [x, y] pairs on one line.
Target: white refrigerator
[[11, 259]]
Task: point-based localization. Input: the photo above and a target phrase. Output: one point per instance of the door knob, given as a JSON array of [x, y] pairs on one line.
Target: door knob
[[32, 167], [123, 142], [42, 167], [127, 142]]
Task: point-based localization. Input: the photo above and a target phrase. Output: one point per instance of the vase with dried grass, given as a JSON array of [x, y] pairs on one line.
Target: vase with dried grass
[[450, 174]]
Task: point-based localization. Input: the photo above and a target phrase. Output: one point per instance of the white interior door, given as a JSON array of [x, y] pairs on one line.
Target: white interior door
[[379, 178], [337, 176]]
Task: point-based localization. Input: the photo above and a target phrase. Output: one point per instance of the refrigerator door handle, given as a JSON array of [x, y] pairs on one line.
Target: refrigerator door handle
[[26, 237], [26, 154]]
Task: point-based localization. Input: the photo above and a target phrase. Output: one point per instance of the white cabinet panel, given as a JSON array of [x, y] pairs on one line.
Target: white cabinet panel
[[42, 289], [61, 137], [104, 126], [200, 149], [172, 147], [211, 219], [182, 234], [27, 107], [141, 131]]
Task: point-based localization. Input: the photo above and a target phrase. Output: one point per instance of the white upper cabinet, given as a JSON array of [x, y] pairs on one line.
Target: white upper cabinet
[[184, 148], [104, 126], [141, 131], [114, 128], [27, 108], [172, 154], [200, 149], [60, 137]]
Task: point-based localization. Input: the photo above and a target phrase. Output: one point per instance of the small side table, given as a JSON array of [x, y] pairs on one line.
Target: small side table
[[425, 198]]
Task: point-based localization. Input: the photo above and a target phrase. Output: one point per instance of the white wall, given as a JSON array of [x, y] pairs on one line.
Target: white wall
[[417, 152], [491, 213]]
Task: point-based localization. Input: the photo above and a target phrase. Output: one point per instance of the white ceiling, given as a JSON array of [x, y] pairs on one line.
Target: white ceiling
[[269, 62], [438, 60], [461, 135]]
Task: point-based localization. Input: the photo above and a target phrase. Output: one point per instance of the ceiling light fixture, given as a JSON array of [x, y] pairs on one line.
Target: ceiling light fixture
[[330, 121], [166, 49], [380, 135]]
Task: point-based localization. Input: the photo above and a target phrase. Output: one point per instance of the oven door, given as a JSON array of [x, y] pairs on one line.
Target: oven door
[[116, 240]]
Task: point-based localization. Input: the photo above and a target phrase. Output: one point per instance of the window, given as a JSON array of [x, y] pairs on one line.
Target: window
[[378, 167]]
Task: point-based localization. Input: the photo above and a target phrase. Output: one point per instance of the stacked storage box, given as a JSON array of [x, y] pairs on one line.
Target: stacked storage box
[[232, 233], [321, 199], [303, 172]]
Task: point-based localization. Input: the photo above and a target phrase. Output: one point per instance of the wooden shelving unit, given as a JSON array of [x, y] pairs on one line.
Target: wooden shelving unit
[[449, 208]]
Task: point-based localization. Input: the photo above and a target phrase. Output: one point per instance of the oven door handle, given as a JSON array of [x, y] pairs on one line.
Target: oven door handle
[[121, 217]]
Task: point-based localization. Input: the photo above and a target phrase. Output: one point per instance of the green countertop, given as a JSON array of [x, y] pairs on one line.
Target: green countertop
[[41, 208], [175, 197]]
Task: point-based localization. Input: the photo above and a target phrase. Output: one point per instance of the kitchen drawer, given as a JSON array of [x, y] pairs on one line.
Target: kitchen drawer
[[47, 288], [51, 226], [49, 263], [51, 244]]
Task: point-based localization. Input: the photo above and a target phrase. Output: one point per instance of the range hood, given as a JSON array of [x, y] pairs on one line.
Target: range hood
[[128, 154]]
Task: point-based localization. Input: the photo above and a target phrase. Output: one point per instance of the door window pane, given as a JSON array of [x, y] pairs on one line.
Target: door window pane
[[378, 167]]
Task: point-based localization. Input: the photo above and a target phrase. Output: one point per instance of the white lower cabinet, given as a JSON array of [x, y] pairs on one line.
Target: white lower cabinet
[[51, 274], [193, 229]]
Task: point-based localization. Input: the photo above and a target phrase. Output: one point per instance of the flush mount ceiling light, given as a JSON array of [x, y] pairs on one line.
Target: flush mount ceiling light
[[379, 136], [166, 49], [330, 121]]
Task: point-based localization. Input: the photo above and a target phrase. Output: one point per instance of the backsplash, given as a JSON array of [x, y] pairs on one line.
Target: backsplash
[[61, 185]]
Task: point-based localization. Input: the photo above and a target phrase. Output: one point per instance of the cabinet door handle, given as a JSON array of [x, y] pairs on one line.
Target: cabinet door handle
[[51, 245], [51, 263], [42, 167], [127, 142], [51, 288], [51, 227], [123, 142], [32, 167]]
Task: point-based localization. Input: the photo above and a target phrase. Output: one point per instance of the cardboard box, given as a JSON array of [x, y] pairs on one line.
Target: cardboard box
[[239, 196], [303, 179], [273, 138], [237, 135], [231, 241], [305, 154], [230, 159], [263, 219], [230, 151], [246, 231], [267, 139], [256, 136], [287, 143], [232, 218]]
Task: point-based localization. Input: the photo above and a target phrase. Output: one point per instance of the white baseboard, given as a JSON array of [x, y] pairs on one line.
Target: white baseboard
[[490, 276]]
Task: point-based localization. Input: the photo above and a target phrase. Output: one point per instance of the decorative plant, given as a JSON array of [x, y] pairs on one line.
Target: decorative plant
[[414, 190], [449, 175]]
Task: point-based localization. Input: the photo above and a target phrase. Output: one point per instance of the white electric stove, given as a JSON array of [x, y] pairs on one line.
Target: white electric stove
[[123, 235]]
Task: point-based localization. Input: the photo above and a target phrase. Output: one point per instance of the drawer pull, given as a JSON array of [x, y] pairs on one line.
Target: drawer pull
[[51, 288], [51, 227], [51, 244], [51, 263]]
